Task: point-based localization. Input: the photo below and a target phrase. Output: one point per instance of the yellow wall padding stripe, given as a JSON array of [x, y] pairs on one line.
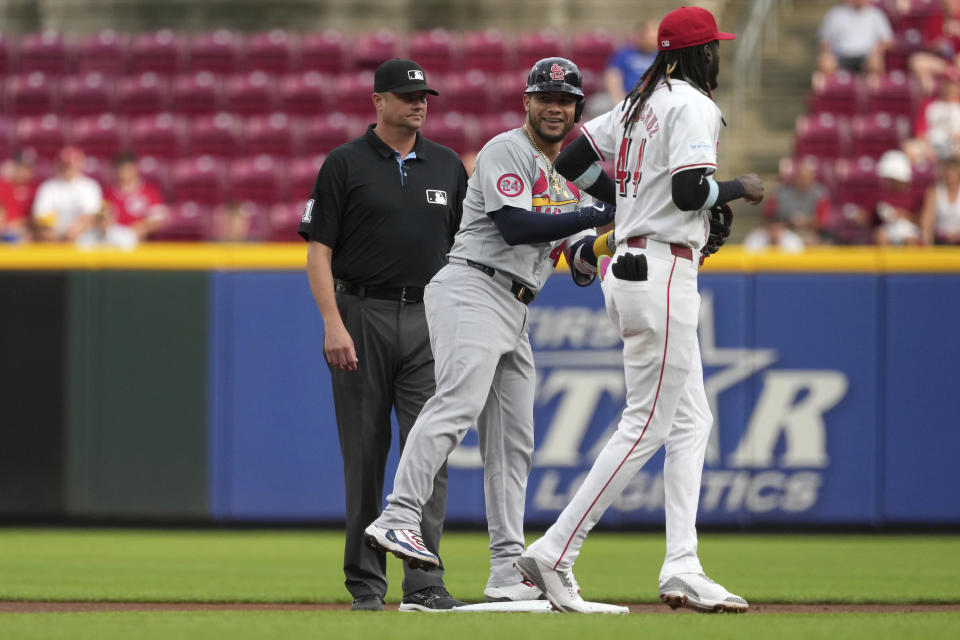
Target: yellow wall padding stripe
[[293, 256]]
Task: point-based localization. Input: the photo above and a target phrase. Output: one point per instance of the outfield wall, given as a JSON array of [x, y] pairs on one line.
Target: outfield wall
[[189, 383]]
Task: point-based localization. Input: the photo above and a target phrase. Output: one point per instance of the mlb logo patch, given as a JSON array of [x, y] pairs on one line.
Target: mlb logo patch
[[664, 43], [435, 196], [307, 211], [415, 74]]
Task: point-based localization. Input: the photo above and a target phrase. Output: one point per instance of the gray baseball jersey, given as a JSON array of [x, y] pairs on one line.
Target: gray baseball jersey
[[510, 172]]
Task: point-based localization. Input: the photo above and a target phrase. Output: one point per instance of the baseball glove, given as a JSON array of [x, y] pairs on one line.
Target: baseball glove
[[721, 219]]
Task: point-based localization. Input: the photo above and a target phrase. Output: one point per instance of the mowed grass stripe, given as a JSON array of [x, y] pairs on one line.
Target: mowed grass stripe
[[400, 626], [302, 566]]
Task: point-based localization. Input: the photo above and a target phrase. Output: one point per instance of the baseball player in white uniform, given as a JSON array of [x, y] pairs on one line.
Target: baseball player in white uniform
[[519, 217], [664, 137]]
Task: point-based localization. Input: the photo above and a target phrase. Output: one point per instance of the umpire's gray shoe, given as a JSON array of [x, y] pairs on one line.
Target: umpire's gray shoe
[[406, 544], [431, 600], [367, 602], [697, 591]]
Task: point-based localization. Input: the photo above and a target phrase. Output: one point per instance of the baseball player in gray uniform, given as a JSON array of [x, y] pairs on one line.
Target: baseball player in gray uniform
[[519, 217]]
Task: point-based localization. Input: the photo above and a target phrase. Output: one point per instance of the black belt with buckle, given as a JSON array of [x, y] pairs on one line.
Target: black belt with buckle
[[403, 294], [519, 290]]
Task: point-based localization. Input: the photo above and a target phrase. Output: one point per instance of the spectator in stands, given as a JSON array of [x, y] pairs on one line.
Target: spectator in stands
[[941, 37], [134, 202], [898, 208], [773, 234], [802, 203], [940, 219], [937, 127], [630, 61], [66, 204], [17, 189], [105, 232], [854, 36], [231, 223]]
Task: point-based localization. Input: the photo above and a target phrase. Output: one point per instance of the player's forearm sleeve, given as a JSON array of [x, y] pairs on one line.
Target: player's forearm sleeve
[[577, 159], [518, 226], [692, 190]]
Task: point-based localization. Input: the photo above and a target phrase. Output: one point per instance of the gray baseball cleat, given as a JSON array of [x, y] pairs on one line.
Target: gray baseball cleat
[[406, 544], [698, 592], [560, 587]]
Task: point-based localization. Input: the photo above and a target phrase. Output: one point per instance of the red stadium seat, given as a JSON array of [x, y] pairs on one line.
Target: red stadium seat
[[186, 221], [144, 94], [105, 52], [274, 51], [254, 93], [46, 52], [200, 179], [353, 93], [495, 124], [31, 94], [840, 93], [468, 92], [875, 133], [303, 174], [325, 51], [218, 52], [259, 179], [823, 135], [87, 94], [372, 48], [453, 130], [508, 91], [924, 175], [322, 134], [905, 44], [44, 134], [536, 45], [6, 137], [197, 94], [99, 169], [157, 171], [857, 182], [285, 220], [917, 13], [163, 52], [488, 50], [436, 50], [306, 94], [591, 50], [215, 135], [273, 135], [101, 136], [162, 135], [893, 93]]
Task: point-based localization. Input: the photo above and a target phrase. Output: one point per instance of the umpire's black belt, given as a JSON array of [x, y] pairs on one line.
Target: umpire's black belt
[[520, 291], [403, 294]]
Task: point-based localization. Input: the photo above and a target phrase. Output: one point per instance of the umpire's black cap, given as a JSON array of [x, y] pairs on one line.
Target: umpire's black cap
[[401, 76]]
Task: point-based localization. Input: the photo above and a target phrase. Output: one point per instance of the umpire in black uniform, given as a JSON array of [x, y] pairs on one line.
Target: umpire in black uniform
[[379, 223]]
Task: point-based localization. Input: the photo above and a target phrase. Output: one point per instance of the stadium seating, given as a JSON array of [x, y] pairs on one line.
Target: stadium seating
[[370, 49], [468, 92], [260, 180], [487, 50], [324, 133], [436, 50], [198, 179], [46, 52], [352, 93], [546, 43], [873, 134], [105, 52], [275, 135], [218, 52], [87, 94], [197, 93], [303, 174], [143, 94], [325, 51], [45, 135], [31, 94], [162, 136], [823, 135], [162, 52], [102, 136], [452, 130], [840, 93], [306, 94], [591, 50], [894, 93], [186, 221], [274, 51], [249, 94], [215, 135]]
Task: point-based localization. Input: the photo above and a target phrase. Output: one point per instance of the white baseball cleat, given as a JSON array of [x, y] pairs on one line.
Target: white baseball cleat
[[518, 592], [561, 588], [406, 544], [698, 592]]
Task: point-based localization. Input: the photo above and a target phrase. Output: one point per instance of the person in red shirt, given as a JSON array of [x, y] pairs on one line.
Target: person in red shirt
[[17, 188], [942, 37], [135, 203]]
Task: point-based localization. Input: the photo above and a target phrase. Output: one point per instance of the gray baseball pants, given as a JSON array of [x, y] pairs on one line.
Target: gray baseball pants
[[485, 376]]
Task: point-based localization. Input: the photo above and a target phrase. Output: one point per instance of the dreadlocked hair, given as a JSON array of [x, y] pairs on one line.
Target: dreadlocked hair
[[689, 64]]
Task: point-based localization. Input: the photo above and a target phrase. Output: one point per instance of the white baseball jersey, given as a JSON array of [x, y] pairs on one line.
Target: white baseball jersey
[[510, 172], [678, 129]]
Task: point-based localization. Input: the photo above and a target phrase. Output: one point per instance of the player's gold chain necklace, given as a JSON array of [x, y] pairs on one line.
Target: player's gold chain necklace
[[554, 176]]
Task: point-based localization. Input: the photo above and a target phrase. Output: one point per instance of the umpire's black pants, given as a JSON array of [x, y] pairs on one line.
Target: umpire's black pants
[[395, 369]]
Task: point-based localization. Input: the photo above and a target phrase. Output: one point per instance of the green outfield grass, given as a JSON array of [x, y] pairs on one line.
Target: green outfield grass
[[297, 566], [463, 626]]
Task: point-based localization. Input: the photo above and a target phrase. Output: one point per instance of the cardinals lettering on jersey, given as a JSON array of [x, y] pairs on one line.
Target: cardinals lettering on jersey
[[543, 203]]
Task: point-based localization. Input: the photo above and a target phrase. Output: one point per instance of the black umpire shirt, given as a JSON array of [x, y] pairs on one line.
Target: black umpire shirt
[[388, 224]]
